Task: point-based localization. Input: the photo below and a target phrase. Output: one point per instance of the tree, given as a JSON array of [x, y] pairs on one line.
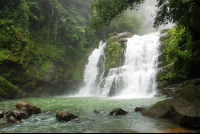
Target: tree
[[183, 12], [107, 10]]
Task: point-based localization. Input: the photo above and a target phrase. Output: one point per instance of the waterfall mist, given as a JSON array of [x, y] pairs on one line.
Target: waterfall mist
[[149, 8]]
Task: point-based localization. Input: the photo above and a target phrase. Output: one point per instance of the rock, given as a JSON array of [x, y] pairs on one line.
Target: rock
[[186, 113], [96, 111], [189, 93], [125, 35], [1, 114], [11, 119], [118, 111], [117, 86], [159, 110], [18, 114], [7, 111], [15, 114], [141, 108], [65, 116], [33, 108]]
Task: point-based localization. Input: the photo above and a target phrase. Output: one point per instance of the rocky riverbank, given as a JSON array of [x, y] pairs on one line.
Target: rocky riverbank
[[183, 109]]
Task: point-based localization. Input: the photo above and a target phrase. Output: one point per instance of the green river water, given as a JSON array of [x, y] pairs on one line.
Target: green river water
[[88, 121]]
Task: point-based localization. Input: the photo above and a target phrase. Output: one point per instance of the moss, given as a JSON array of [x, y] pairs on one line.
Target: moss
[[61, 69], [159, 104], [112, 53], [60, 74], [38, 74], [45, 65], [185, 101]]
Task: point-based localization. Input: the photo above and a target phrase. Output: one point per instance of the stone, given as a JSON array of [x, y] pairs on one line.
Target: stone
[[186, 113], [7, 111], [96, 111], [158, 110], [18, 114], [1, 114], [33, 108], [11, 119], [65, 116], [15, 114], [141, 108], [189, 93], [118, 111]]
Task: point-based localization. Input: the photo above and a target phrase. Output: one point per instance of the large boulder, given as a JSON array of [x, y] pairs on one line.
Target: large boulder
[[118, 111], [186, 113], [159, 110], [65, 116], [1, 114], [31, 107], [189, 93]]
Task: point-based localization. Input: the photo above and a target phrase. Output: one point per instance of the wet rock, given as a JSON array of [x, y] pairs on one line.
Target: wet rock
[[7, 111], [1, 114], [18, 114], [118, 111], [189, 93], [33, 108], [65, 116], [117, 86], [96, 111], [11, 119], [141, 108], [159, 110], [186, 113]]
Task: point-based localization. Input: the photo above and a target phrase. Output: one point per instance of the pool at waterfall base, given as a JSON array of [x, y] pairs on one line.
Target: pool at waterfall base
[[88, 122]]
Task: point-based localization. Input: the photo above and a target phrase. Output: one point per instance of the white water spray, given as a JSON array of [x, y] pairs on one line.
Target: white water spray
[[92, 71], [140, 67]]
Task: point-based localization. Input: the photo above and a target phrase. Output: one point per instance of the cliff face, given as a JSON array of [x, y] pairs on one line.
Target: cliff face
[[55, 79]]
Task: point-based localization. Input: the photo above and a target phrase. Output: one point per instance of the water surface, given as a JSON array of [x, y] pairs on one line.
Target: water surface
[[88, 120]]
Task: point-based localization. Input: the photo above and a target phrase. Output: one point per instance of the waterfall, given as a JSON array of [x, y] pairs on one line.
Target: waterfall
[[136, 78], [93, 71]]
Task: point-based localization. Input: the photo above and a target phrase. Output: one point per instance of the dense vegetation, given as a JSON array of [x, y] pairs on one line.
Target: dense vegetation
[[183, 50], [40, 31]]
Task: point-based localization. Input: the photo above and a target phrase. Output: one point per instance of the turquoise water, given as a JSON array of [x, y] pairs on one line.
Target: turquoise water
[[88, 121]]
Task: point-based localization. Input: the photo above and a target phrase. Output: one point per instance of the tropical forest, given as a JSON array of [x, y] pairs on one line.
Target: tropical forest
[[99, 66]]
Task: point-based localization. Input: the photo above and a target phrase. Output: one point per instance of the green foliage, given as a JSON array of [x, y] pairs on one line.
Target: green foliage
[[112, 53], [129, 21], [183, 55], [38, 32], [107, 10]]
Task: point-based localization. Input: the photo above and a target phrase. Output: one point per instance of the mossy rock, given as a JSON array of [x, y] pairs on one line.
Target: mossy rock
[[186, 113], [159, 110], [112, 53], [61, 69], [190, 93]]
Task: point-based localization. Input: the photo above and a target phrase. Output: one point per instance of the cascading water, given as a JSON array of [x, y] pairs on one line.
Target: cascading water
[[93, 69], [135, 79]]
